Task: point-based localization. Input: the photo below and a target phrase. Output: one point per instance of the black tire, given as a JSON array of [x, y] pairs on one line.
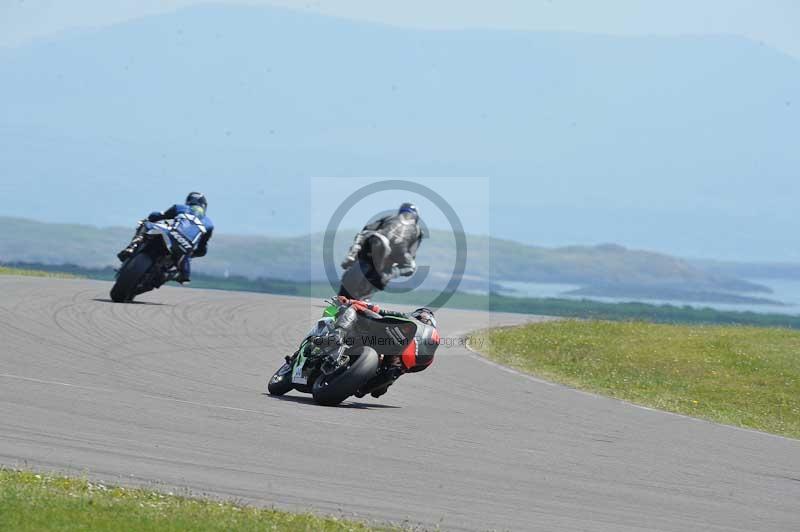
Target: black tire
[[281, 381], [332, 390], [129, 277]]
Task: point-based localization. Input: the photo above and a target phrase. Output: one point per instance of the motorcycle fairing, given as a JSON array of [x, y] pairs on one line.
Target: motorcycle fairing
[[298, 377], [181, 236], [323, 327], [160, 229]]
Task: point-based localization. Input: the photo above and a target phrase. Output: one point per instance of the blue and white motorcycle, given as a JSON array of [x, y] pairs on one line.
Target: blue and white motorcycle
[[161, 246]]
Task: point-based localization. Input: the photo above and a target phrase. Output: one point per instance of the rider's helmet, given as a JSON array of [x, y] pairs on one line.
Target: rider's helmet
[[425, 315], [410, 209], [198, 202]]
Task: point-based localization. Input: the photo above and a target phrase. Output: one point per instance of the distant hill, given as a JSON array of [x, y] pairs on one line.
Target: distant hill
[[687, 144], [751, 270], [610, 268]]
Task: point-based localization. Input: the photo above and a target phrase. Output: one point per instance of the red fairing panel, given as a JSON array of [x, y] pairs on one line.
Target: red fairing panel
[[410, 355], [422, 349]]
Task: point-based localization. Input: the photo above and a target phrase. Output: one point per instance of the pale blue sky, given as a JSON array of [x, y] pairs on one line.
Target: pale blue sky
[[678, 144], [774, 22]]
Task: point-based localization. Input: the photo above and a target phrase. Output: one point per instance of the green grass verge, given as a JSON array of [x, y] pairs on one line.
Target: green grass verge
[[37, 273], [744, 376], [30, 501]]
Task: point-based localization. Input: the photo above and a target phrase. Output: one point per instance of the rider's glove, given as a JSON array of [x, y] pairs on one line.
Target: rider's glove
[[348, 261], [394, 273], [407, 271], [410, 267]]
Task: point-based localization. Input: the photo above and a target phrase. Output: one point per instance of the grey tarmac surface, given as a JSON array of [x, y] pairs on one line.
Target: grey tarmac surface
[[170, 391]]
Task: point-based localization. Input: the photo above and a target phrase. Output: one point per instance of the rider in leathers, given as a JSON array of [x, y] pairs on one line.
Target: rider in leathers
[[406, 343], [393, 242], [193, 215]]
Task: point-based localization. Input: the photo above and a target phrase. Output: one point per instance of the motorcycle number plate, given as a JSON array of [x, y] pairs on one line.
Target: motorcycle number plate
[[297, 376]]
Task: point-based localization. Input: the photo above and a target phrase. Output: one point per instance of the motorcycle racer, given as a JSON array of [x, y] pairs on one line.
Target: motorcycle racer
[[191, 222], [387, 247], [406, 343]]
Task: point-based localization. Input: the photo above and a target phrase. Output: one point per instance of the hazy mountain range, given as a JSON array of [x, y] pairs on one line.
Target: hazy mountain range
[[687, 145], [609, 270]]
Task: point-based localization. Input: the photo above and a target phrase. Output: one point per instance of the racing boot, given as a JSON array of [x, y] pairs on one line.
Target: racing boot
[[393, 371], [380, 391], [184, 270]]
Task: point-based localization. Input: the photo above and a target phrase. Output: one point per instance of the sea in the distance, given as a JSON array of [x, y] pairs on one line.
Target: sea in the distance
[[785, 291]]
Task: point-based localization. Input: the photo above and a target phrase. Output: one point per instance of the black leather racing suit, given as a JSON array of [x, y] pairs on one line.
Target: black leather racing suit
[[405, 344], [390, 246]]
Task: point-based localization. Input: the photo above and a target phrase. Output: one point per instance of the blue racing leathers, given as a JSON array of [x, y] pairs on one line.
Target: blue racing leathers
[[196, 227]]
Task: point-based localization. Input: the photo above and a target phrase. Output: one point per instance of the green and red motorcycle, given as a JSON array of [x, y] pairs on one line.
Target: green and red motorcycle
[[333, 367]]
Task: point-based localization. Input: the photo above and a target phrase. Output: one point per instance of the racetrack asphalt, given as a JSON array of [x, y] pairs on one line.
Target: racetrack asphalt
[[170, 392]]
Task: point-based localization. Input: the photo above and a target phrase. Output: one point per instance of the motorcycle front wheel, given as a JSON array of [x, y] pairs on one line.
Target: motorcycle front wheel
[[281, 381], [129, 277], [330, 390]]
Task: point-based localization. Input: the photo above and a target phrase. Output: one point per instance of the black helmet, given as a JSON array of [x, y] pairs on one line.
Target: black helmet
[[197, 199], [409, 208], [425, 315]]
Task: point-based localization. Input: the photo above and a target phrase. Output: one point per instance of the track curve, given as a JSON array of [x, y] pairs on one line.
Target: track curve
[[169, 391]]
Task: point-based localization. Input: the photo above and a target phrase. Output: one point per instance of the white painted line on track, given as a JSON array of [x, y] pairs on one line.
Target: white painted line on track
[[179, 401], [476, 355], [148, 396]]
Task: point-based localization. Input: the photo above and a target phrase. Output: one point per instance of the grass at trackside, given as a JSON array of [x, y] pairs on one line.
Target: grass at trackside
[[30, 501], [742, 376], [36, 273]]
